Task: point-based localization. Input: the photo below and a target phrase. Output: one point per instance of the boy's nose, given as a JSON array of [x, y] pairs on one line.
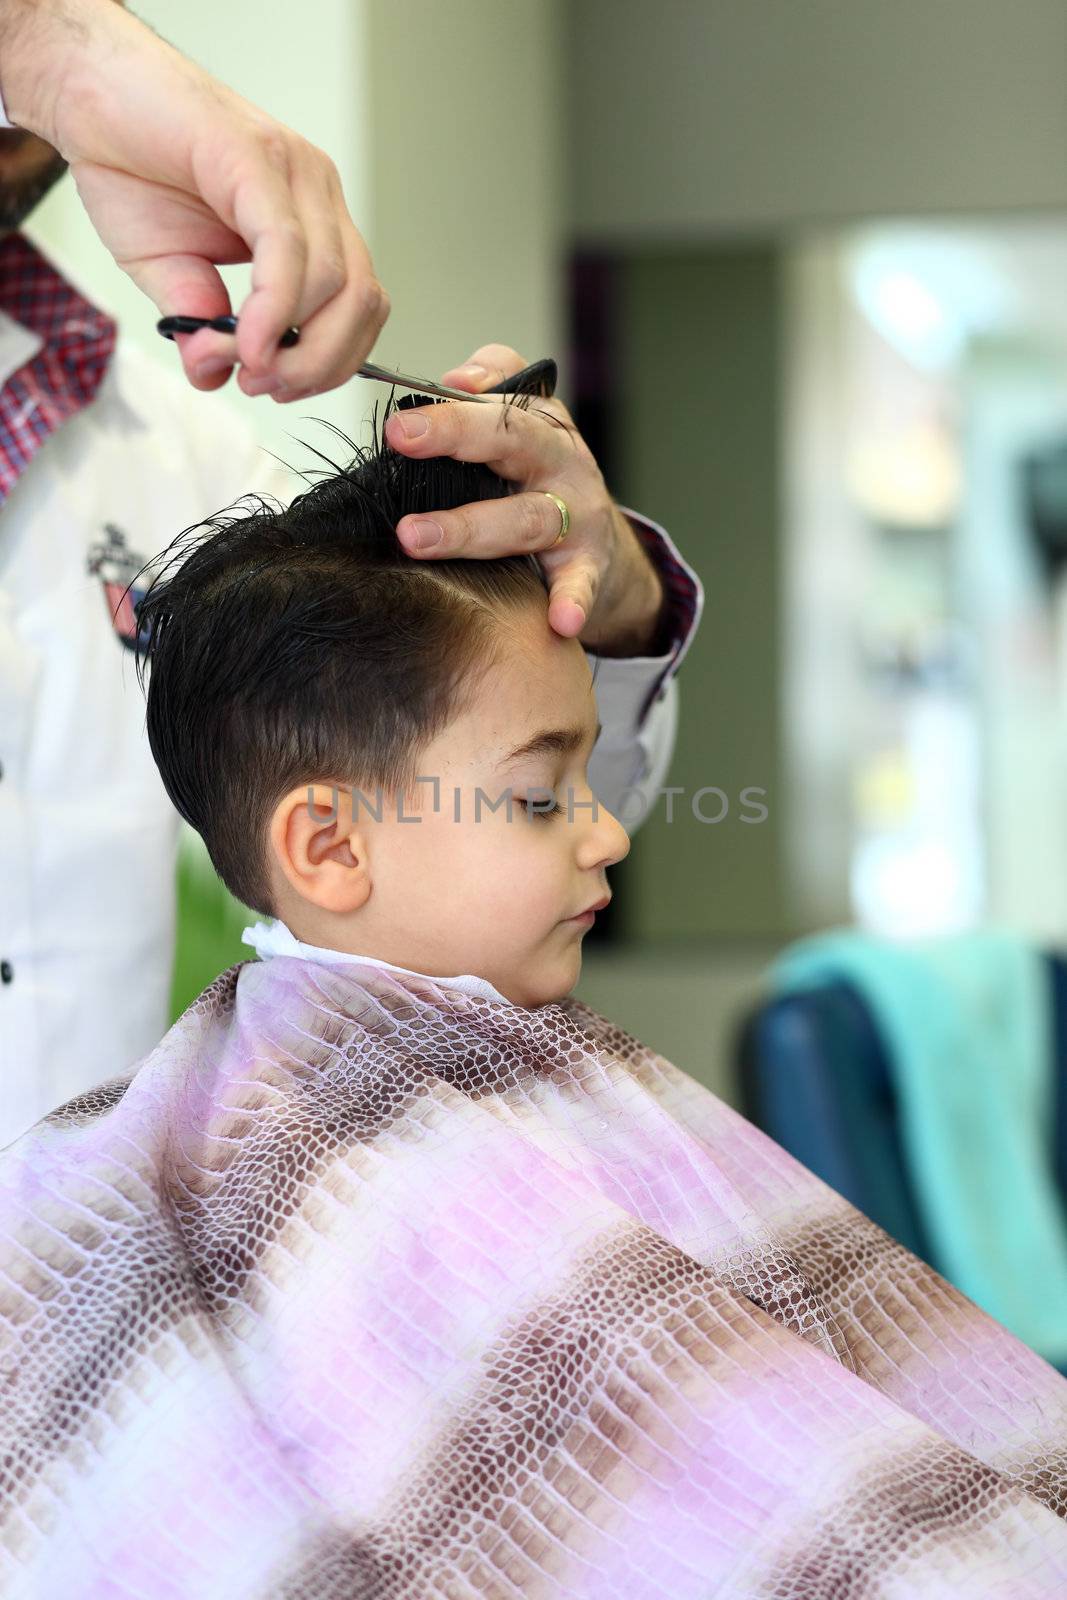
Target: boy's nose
[[620, 839], [607, 841]]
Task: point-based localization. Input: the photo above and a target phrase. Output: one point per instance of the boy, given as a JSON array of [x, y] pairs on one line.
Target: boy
[[397, 1271]]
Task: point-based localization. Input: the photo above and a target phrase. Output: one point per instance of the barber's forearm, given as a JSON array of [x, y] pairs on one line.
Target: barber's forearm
[[38, 39], [58, 53], [627, 616]]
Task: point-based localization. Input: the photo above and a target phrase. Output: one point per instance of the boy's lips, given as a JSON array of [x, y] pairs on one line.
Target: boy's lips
[[598, 905]]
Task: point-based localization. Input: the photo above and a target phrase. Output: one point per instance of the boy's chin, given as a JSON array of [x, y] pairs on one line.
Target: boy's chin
[[549, 989]]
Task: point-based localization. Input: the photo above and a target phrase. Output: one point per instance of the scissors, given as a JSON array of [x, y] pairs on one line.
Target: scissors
[[538, 378]]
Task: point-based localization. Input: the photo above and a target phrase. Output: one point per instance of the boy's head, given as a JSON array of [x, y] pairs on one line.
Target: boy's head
[[306, 674]]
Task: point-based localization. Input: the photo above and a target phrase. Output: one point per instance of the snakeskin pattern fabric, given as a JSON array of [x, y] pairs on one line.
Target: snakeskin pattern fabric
[[362, 1288]]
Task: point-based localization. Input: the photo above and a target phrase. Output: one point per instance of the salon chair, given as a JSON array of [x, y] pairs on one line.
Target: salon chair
[[814, 1074]]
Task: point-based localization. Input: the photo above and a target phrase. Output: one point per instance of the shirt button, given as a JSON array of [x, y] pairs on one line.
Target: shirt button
[[7, 972]]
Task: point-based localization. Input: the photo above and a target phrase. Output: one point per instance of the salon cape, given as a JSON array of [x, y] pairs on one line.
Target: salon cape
[[88, 836], [373, 1284]]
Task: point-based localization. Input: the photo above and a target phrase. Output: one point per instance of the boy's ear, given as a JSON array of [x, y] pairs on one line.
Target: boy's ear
[[317, 846]]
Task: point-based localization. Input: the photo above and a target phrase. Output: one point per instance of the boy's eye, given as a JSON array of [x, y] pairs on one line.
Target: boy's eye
[[537, 808]]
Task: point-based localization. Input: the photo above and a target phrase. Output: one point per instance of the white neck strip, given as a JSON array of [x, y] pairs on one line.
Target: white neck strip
[[275, 939]]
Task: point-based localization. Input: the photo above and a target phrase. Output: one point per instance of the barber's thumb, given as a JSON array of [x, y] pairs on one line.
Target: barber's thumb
[[471, 376], [490, 364]]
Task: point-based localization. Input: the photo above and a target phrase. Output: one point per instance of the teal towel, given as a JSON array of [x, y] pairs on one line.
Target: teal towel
[[966, 1020]]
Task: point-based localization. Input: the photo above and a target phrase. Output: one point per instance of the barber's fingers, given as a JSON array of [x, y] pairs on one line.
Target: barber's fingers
[[573, 588], [252, 189], [524, 445], [208, 357], [338, 305], [338, 336], [514, 524], [284, 208], [490, 364], [536, 447], [169, 244], [207, 366], [310, 267]]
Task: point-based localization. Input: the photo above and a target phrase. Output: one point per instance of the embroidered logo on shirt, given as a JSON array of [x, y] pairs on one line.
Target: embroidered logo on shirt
[[115, 564]]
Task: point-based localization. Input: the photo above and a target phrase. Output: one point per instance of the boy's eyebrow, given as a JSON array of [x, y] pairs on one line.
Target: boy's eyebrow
[[551, 742]]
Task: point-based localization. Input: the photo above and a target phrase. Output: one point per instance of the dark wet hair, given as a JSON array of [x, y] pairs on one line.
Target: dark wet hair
[[302, 644]]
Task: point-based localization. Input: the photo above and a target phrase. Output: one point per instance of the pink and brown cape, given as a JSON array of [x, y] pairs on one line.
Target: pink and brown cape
[[362, 1288]]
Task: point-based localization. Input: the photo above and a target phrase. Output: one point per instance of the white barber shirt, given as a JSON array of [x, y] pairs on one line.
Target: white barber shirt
[[88, 837]]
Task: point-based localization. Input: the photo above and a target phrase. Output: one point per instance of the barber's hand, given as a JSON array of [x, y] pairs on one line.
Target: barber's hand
[[602, 586], [178, 173]]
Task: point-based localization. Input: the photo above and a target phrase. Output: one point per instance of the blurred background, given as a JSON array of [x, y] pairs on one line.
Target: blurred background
[[804, 268]]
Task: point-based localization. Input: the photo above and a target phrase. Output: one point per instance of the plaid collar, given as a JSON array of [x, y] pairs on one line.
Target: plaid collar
[[77, 342]]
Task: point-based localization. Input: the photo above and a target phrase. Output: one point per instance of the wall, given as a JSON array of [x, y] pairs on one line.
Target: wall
[[697, 117], [699, 451], [467, 177], [823, 556], [1015, 399], [700, 126]]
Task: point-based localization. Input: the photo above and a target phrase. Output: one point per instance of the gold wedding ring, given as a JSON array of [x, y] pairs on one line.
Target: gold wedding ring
[[564, 514]]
